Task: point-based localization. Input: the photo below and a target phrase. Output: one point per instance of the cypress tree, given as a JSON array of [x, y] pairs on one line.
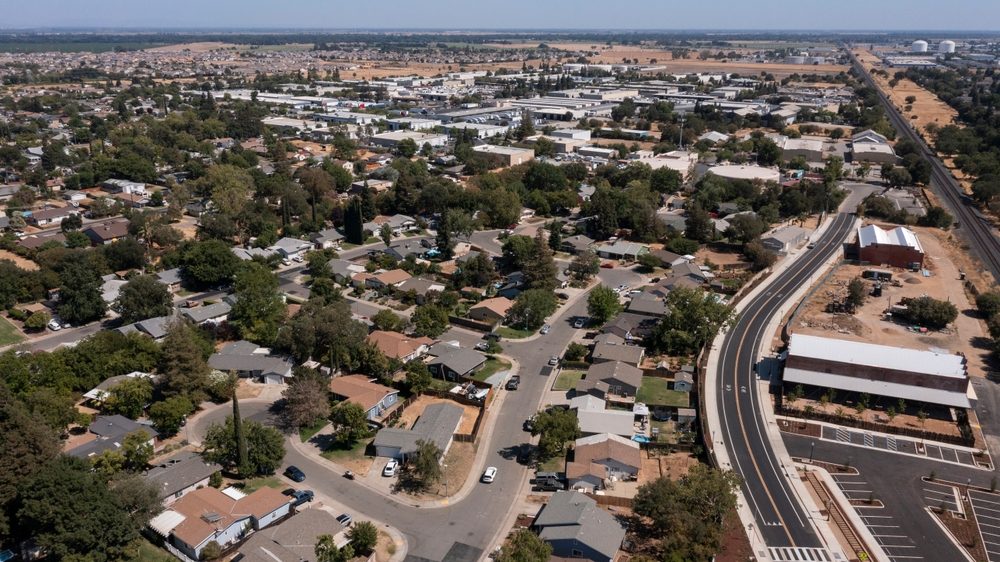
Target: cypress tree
[[241, 440], [353, 223]]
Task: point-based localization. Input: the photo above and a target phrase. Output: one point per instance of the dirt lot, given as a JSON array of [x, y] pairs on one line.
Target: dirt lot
[[202, 47], [414, 410], [18, 260], [671, 465], [927, 109], [867, 324]]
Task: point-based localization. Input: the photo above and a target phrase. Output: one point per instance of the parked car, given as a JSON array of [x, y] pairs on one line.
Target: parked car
[[489, 474], [545, 329], [294, 474], [482, 346], [607, 265], [54, 325], [513, 382], [554, 360], [529, 424], [345, 519], [492, 336], [579, 323], [548, 485], [302, 496], [391, 468]]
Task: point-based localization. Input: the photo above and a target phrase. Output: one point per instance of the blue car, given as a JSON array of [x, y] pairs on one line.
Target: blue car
[[294, 474]]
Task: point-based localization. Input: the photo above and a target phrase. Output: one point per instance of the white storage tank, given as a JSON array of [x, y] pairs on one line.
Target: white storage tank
[[946, 46], [919, 46], [795, 59]]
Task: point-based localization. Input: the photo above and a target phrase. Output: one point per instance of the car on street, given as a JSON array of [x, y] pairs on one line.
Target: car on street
[[607, 265], [554, 360], [529, 424], [391, 468], [492, 336], [54, 325], [545, 329], [513, 382], [482, 346], [301, 497], [489, 474], [345, 519], [294, 474], [622, 288], [811, 245], [579, 323]]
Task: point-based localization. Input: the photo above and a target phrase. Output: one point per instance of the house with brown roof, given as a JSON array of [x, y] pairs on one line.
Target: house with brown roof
[[389, 278], [491, 311], [375, 399], [602, 457], [222, 516], [610, 347], [399, 346], [107, 232], [611, 379]]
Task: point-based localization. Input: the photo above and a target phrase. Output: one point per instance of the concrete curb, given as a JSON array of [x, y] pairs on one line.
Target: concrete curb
[[875, 549]]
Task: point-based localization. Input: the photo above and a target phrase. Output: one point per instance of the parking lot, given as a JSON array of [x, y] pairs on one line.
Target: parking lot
[[901, 445], [941, 496], [986, 508], [884, 528]]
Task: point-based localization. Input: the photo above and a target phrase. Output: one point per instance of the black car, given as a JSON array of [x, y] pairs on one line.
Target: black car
[[548, 485], [294, 474], [302, 496], [513, 382], [344, 519]]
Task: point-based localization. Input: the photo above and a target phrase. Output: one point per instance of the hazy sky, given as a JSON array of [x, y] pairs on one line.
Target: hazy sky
[[508, 14]]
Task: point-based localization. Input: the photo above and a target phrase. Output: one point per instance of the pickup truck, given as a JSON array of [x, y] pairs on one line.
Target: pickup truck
[[513, 382]]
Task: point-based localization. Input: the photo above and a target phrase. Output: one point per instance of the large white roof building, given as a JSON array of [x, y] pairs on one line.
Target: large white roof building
[[899, 236]]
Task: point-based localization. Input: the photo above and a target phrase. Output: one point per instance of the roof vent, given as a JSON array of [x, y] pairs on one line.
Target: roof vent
[[211, 517]]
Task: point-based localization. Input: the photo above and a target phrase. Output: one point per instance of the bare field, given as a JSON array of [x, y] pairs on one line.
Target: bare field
[[202, 47], [23, 263]]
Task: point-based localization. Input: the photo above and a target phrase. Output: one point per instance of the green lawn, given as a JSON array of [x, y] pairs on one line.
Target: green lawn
[[654, 392], [306, 433], [513, 334], [254, 484], [491, 367], [338, 453], [555, 464], [148, 552], [567, 380], [8, 333], [439, 384]]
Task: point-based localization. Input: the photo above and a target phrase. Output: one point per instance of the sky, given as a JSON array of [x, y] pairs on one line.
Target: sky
[[866, 15]]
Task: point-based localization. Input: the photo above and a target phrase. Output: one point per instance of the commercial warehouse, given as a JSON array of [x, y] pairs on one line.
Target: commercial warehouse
[[898, 247], [879, 370]]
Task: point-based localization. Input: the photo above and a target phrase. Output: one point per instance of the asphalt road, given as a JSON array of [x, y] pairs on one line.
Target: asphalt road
[[974, 227], [780, 518]]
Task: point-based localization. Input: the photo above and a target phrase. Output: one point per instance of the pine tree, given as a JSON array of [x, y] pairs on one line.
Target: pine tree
[[241, 440], [555, 235], [353, 223], [540, 270]]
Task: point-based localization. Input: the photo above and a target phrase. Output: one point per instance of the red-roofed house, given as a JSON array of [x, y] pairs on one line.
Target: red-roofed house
[[375, 399], [399, 346]]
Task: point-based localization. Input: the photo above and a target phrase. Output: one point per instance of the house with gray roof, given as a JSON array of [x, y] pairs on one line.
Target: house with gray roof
[[109, 434], [576, 244], [437, 424], [630, 326], [615, 349], [455, 363], [207, 313], [171, 278], [179, 474], [329, 238], [575, 527], [401, 249], [291, 247], [648, 304], [611, 378], [248, 360], [343, 270], [293, 540], [622, 250], [247, 254]]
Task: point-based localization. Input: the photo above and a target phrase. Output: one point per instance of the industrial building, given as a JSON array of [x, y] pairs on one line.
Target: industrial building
[[507, 155], [898, 247], [736, 172], [393, 138], [913, 375]]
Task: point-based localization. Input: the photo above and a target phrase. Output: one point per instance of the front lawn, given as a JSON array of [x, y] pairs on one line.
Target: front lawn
[[654, 392], [306, 433], [148, 552], [9, 334], [253, 484], [490, 368], [341, 453], [567, 380], [512, 333], [555, 464]]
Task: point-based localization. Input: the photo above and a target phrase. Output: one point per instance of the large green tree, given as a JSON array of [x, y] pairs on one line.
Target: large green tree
[[429, 320], [80, 299], [265, 447], [306, 401], [209, 264], [525, 546], [259, 309], [603, 303], [129, 397], [425, 464], [532, 307], [354, 222], [183, 367], [141, 298], [556, 426], [350, 422], [693, 318], [168, 415]]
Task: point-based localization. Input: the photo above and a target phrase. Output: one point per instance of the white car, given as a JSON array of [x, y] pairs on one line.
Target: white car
[[489, 474], [545, 329], [54, 325], [579, 323], [390, 468]]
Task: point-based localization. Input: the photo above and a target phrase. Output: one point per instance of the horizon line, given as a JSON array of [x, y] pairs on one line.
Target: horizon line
[[511, 30]]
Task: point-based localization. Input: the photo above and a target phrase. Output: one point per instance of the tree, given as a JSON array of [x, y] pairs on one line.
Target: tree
[[477, 271], [327, 551], [425, 466], [211, 551], [575, 351], [385, 234], [665, 180], [354, 222], [265, 447], [363, 536], [317, 183], [936, 217], [556, 427], [988, 303], [501, 206], [555, 235], [388, 321], [744, 228], [126, 253], [525, 546], [80, 299], [452, 223], [129, 397], [141, 298], [259, 309], [698, 225], [532, 307], [407, 148], [37, 321], [168, 415], [930, 312], [693, 318], [584, 266], [429, 320], [136, 451], [350, 422], [306, 401], [603, 304], [66, 490], [540, 271], [418, 376], [760, 257], [857, 292], [139, 497], [183, 366], [208, 264]]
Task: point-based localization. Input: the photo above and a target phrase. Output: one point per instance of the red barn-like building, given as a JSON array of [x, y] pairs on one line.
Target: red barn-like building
[[898, 247]]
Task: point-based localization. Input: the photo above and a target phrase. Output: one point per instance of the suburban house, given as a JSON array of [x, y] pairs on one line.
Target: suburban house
[[107, 232], [329, 238], [207, 313], [399, 346], [398, 224], [155, 328], [576, 244], [107, 433], [344, 270], [221, 516], [291, 247], [647, 304], [575, 527], [390, 278], [491, 311], [593, 417], [248, 360], [630, 326], [50, 216], [171, 278], [622, 250], [294, 539], [402, 249], [602, 457], [373, 398], [180, 474], [36, 241], [684, 380], [609, 347], [124, 186], [437, 424], [667, 258], [247, 254], [99, 393], [611, 379], [455, 363], [421, 287]]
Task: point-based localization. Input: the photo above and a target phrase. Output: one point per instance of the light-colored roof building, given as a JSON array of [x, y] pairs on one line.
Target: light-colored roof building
[[738, 172], [899, 236]]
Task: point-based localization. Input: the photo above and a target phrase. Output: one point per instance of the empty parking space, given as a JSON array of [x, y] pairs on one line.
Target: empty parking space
[[896, 445], [940, 495], [884, 529], [987, 510]]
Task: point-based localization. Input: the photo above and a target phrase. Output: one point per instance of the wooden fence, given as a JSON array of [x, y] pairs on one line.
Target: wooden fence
[[471, 324], [612, 501]]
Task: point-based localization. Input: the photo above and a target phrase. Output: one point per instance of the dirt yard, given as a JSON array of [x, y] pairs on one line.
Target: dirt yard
[[868, 324], [671, 465], [23, 263], [414, 410]]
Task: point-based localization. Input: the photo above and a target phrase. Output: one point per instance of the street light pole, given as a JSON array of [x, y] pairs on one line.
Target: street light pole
[[812, 447]]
